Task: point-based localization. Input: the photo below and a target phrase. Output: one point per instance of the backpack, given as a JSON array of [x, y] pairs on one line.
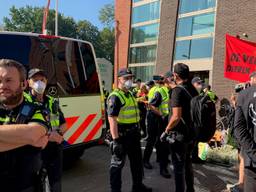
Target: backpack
[[203, 117]]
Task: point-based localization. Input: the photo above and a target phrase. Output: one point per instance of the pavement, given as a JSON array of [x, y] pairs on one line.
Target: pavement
[[91, 174]]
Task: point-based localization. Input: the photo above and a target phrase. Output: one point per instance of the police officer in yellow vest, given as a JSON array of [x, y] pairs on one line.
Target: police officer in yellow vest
[[52, 154], [157, 116], [123, 116], [22, 132]]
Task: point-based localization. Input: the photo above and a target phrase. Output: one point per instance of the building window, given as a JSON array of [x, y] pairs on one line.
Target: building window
[[147, 12], [194, 49], [187, 6], [199, 24], [145, 33], [135, 1], [144, 73], [143, 54]]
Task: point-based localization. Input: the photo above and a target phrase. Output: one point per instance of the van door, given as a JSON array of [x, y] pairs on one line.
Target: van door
[[78, 90]]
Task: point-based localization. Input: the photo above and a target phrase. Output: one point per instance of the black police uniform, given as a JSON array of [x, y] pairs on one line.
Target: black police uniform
[[19, 167], [156, 126], [52, 155], [130, 139]]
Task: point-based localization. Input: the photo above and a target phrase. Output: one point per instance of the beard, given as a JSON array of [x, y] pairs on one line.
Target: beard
[[13, 99]]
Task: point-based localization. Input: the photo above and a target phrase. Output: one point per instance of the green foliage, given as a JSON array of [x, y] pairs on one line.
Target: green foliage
[[107, 37], [30, 19], [107, 15]]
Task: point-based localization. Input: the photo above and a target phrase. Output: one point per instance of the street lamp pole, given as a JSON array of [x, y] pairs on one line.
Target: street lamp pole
[[56, 17]]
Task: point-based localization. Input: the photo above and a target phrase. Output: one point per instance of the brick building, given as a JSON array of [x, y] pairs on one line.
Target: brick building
[[152, 35]]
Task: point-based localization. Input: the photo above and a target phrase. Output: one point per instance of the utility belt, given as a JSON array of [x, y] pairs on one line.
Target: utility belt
[[125, 129]]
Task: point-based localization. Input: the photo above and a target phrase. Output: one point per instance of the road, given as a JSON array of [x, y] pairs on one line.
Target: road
[[90, 174]]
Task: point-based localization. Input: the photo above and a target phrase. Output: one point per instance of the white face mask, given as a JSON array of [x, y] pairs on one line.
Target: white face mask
[[39, 87], [128, 84]]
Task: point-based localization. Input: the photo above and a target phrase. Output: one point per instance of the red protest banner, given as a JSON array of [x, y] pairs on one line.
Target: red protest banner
[[240, 59]]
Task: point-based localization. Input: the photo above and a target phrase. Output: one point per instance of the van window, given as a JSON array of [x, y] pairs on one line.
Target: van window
[[70, 65], [75, 68]]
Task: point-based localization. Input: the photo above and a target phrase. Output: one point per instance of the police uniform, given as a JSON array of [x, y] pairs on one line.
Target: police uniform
[[159, 98], [19, 167], [124, 106], [52, 155]]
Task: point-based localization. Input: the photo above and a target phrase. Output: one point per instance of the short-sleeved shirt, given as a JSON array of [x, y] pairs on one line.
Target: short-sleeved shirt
[[180, 98], [114, 106], [22, 162]]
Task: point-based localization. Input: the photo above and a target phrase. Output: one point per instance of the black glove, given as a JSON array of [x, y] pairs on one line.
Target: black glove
[[116, 148], [163, 137]]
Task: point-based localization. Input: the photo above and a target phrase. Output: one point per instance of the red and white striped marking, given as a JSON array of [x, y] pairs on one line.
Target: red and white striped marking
[[83, 129]]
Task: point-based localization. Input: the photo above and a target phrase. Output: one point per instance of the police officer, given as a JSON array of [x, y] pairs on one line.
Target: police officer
[[52, 154], [123, 115], [22, 131], [157, 117]]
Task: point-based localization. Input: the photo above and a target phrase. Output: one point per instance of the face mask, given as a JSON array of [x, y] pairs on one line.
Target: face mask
[[39, 87], [128, 84]]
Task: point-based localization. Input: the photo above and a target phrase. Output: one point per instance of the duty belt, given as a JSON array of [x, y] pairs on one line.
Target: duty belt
[[124, 129]]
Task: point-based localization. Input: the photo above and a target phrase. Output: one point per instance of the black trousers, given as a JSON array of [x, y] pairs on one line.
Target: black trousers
[[183, 170], [143, 114], [131, 145], [156, 126], [23, 175], [162, 151], [52, 157], [250, 179]]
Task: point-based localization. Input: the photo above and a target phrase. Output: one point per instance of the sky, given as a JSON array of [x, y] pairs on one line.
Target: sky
[[78, 9]]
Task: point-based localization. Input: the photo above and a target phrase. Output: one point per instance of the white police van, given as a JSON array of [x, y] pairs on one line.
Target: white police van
[[73, 77]]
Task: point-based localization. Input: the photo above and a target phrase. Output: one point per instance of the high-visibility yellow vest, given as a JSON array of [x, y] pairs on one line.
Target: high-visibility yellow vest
[[164, 107], [129, 112], [152, 92], [54, 114], [36, 116]]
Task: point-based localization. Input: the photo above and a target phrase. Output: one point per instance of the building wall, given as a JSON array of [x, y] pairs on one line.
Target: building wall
[[234, 17], [122, 31], [166, 36]]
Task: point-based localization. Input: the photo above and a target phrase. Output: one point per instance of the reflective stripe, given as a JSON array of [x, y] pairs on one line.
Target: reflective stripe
[[127, 116], [164, 107], [129, 112], [130, 108]]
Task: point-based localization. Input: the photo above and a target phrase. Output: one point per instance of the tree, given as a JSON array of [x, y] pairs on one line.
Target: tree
[[88, 32], [108, 43], [29, 19], [107, 15], [107, 35]]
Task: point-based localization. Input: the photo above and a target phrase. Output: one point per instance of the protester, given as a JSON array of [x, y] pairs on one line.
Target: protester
[[179, 128], [142, 98], [244, 128]]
